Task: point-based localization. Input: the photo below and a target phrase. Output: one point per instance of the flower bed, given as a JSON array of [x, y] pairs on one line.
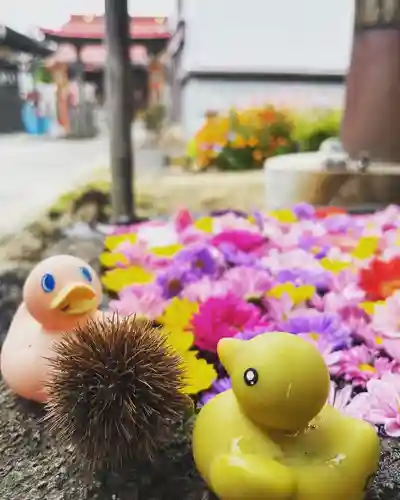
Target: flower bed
[[327, 276], [244, 139]]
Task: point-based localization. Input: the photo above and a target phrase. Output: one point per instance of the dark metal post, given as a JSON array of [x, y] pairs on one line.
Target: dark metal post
[[119, 110]]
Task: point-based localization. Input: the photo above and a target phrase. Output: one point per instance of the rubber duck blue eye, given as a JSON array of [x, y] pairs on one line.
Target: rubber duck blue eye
[[86, 274], [48, 283]]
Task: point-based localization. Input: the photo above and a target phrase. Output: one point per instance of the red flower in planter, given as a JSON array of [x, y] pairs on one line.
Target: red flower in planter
[[323, 212], [381, 279]]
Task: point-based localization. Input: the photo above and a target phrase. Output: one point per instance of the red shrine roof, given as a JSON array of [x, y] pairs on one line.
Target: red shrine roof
[[89, 27], [94, 56]]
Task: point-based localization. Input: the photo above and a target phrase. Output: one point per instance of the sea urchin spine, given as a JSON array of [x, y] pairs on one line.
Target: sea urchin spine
[[116, 389]]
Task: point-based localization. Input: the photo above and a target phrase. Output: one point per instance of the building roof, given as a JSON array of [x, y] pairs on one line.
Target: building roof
[[269, 36], [93, 27], [94, 56], [22, 43]]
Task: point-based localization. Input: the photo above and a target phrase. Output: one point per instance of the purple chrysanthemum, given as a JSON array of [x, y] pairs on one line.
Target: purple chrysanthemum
[[328, 325]]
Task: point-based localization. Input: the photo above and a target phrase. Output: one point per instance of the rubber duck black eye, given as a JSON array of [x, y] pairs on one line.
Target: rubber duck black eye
[[86, 274], [48, 283], [250, 377]]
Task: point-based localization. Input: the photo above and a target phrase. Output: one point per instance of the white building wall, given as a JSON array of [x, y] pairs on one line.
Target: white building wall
[[263, 36], [268, 35], [200, 96]]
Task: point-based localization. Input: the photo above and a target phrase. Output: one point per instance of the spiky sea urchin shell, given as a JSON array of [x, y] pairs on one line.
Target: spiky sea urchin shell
[[115, 391]]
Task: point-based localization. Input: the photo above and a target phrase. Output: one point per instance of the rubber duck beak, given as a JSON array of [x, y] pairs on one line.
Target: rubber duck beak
[[75, 299], [227, 349]]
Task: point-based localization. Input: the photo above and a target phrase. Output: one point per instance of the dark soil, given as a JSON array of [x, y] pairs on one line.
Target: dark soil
[[34, 467]]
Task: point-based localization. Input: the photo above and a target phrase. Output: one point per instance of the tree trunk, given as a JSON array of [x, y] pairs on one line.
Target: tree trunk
[[119, 109], [371, 121]]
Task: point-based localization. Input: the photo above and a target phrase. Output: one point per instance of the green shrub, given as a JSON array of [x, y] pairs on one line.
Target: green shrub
[[311, 128]]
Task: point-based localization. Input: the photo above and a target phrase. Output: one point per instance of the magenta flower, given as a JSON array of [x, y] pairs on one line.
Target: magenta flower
[[220, 317], [142, 300], [360, 364], [245, 241]]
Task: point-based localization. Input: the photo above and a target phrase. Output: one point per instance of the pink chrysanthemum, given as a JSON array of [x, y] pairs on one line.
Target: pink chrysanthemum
[[360, 364], [220, 317]]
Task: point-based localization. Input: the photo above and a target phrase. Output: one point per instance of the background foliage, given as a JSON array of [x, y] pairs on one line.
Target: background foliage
[[244, 139]]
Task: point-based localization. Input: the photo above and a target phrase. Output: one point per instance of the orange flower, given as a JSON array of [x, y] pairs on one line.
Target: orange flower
[[281, 141], [324, 212], [252, 142], [257, 155], [381, 279], [239, 142]]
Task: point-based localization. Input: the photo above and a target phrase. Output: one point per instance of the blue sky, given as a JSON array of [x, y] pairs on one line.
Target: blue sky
[[23, 14]]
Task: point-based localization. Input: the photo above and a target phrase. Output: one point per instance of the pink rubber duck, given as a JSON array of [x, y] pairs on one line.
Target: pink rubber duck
[[60, 293]]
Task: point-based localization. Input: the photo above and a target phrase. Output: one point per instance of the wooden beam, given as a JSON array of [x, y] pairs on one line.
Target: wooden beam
[[119, 110]]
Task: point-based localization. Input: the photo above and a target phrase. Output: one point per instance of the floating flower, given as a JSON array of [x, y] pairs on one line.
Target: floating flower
[[381, 403], [117, 279], [322, 274], [200, 259], [174, 279], [221, 385], [360, 364], [200, 374], [298, 294], [204, 288], [386, 316], [178, 314], [318, 324], [220, 317], [244, 241], [247, 282], [284, 216], [381, 279], [341, 400], [144, 300]]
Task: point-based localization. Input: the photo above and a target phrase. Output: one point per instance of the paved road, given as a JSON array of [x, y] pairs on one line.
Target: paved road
[[35, 171]]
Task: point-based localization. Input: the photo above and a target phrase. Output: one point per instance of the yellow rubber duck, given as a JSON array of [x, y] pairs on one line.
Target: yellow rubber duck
[[272, 436], [60, 293]]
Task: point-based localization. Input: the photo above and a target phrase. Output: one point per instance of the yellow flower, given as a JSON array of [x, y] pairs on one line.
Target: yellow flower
[[366, 247], [334, 266], [239, 142], [111, 242], [117, 279], [199, 374], [369, 307], [284, 216], [252, 142], [205, 224], [178, 314], [110, 259], [180, 340], [298, 294], [167, 251]]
